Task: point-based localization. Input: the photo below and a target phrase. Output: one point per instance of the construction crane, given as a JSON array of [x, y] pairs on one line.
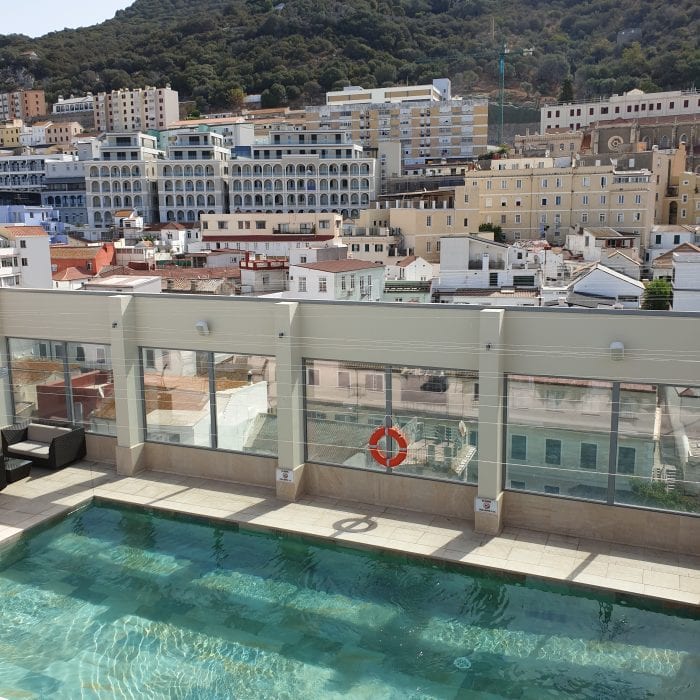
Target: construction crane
[[502, 83]]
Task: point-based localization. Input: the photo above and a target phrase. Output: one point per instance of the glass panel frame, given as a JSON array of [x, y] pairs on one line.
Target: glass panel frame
[[435, 409]]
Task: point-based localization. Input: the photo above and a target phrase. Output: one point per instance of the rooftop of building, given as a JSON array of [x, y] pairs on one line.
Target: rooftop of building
[[348, 265]]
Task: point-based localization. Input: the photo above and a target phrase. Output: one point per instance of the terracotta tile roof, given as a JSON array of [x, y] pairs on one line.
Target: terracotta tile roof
[[63, 252], [22, 231], [340, 265], [407, 261], [69, 275]]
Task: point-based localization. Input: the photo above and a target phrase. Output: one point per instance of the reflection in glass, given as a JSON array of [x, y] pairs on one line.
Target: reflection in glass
[[664, 432], [246, 403], [558, 436], [176, 396], [436, 410], [39, 388]]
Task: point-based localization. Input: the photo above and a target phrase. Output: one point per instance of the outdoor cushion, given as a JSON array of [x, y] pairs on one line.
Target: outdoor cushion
[[44, 433], [31, 448]]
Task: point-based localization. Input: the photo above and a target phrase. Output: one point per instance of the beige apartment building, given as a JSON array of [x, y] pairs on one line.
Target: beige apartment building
[[429, 125], [529, 198], [682, 204], [11, 133], [136, 109]]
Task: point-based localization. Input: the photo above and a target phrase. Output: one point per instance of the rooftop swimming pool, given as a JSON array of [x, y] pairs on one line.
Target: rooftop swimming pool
[[122, 603]]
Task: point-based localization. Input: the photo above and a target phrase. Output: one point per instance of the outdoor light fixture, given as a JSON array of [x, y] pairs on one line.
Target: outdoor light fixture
[[617, 350], [202, 327]]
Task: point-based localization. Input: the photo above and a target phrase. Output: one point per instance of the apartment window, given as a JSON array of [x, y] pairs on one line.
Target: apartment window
[[489, 184], [23, 244], [428, 221], [584, 199], [343, 284], [301, 284], [322, 284], [25, 262], [552, 452], [378, 247], [466, 222], [518, 219], [259, 225], [518, 447], [449, 220], [620, 218], [584, 218], [589, 455], [637, 198], [504, 184], [149, 358], [544, 183], [603, 199], [544, 201], [504, 218], [428, 247], [625, 460], [343, 379], [374, 382], [352, 281], [223, 225], [518, 184], [601, 218], [557, 201], [312, 377], [657, 239]]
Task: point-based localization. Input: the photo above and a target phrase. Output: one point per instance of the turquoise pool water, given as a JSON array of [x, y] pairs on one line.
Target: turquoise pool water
[[119, 603]]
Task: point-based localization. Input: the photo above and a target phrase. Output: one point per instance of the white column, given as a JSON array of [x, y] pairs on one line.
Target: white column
[[490, 485]]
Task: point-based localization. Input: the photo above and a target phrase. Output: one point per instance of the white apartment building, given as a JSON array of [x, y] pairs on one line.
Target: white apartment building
[[193, 179], [304, 171], [470, 262], [25, 259], [337, 280], [65, 190], [27, 173], [686, 281], [74, 104], [629, 105], [665, 237], [439, 89], [125, 176], [136, 109]]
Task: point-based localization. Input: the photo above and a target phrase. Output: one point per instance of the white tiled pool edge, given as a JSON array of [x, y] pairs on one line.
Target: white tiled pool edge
[[650, 572]]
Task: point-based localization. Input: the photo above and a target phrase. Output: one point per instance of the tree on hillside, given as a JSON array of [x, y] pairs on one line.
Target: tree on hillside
[[236, 98], [657, 296], [567, 91]]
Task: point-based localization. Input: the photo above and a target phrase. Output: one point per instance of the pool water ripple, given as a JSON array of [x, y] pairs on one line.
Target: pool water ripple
[[119, 603]]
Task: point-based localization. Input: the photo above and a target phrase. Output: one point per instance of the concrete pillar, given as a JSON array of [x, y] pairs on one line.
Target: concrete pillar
[[290, 403], [127, 385], [6, 412], [490, 487]]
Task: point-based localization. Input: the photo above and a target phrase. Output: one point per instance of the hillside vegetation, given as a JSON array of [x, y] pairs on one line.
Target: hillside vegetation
[[293, 51]]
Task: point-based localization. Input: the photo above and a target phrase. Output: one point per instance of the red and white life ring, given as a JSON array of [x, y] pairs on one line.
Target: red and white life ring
[[390, 434]]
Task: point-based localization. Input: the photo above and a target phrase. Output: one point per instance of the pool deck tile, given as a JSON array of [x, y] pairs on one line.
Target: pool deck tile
[[638, 570]]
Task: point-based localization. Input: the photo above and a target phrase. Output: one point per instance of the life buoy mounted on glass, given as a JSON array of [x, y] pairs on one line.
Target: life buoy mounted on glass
[[382, 457]]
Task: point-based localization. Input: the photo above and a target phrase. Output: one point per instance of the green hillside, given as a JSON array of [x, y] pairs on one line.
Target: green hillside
[[295, 50]]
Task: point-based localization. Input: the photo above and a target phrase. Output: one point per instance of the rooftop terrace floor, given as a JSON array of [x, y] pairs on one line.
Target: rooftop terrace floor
[[643, 571]]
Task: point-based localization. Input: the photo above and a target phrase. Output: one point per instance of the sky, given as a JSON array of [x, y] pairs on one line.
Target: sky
[[38, 17]]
